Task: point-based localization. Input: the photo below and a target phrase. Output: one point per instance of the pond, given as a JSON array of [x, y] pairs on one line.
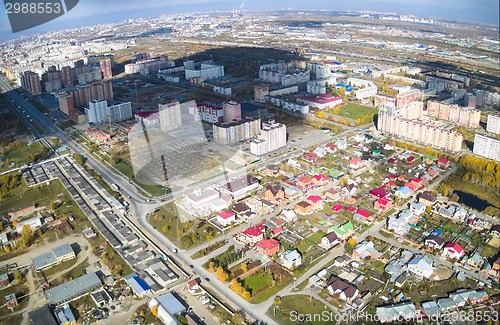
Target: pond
[[471, 201]]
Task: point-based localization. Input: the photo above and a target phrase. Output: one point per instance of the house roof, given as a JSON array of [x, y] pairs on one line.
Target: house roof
[[192, 283], [405, 190], [320, 177], [240, 207], [379, 192], [171, 304], [304, 179], [226, 214], [268, 244], [383, 202], [274, 189], [344, 229], [337, 207], [332, 236], [291, 255], [314, 198], [427, 195], [454, 246], [364, 213], [255, 231], [435, 238], [303, 204], [355, 161]]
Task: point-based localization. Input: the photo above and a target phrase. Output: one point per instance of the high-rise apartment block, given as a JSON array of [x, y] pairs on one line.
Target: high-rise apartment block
[[493, 124], [454, 113], [272, 137], [170, 116], [232, 111], [99, 112], [105, 65], [260, 93], [31, 82], [404, 98], [210, 113], [231, 133], [392, 121], [487, 147]]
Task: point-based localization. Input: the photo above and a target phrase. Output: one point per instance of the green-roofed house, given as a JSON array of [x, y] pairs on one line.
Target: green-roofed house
[[428, 159], [316, 170], [335, 173], [343, 232]]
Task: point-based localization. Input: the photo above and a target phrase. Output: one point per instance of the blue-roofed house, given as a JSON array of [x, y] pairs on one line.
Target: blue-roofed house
[[421, 266], [430, 308], [169, 306], [138, 285], [65, 315], [403, 192]]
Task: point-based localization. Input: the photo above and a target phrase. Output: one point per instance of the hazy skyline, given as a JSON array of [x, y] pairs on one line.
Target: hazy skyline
[[90, 12]]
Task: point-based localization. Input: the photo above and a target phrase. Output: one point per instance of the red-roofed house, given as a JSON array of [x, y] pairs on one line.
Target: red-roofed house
[[315, 200], [417, 182], [390, 184], [254, 234], [276, 231], [355, 163], [453, 250], [351, 209], [392, 161], [337, 207], [193, 286], [268, 247], [320, 180], [443, 163], [310, 157], [364, 215], [379, 193], [382, 205], [411, 186], [332, 194], [304, 182], [330, 147], [225, 218]]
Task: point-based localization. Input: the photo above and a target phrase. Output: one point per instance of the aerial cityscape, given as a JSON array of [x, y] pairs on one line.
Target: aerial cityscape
[[244, 163]]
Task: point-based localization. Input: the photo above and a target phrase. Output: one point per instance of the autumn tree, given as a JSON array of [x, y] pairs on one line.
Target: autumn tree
[[244, 267], [27, 236], [154, 310]]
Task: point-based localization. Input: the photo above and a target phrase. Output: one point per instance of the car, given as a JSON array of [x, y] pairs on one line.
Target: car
[[174, 250], [191, 266], [207, 279]]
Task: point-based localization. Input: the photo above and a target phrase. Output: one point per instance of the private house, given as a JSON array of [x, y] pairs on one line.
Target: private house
[[271, 170], [337, 207], [417, 183], [11, 301], [403, 192], [268, 247], [303, 207], [356, 163], [290, 259], [399, 224], [332, 194], [193, 287], [329, 240], [427, 198], [431, 308], [315, 201], [346, 291], [254, 204], [365, 249], [428, 159], [495, 230], [447, 212], [382, 205], [443, 163], [476, 260], [379, 193], [274, 194], [320, 152], [288, 215], [291, 192], [417, 208], [395, 312], [349, 190], [469, 296], [4, 280], [304, 182], [335, 173], [453, 251], [330, 147], [241, 209], [225, 218], [320, 180], [363, 215], [341, 144], [434, 242], [254, 234], [433, 171], [421, 266], [240, 186], [344, 231], [310, 157]]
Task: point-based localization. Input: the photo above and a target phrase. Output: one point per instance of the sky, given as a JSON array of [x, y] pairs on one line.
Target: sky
[[90, 12]]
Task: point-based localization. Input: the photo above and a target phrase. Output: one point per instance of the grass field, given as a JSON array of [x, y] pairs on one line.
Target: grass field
[[21, 156], [356, 111], [256, 282], [297, 303]]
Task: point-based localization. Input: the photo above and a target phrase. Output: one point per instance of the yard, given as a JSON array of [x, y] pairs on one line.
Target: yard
[[301, 304], [257, 282], [21, 156]]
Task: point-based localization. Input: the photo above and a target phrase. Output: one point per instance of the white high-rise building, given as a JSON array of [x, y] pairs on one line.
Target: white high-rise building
[[272, 137], [493, 124], [487, 147], [99, 112], [170, 116]]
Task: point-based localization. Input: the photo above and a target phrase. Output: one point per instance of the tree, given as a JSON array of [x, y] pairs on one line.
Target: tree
[[18, 276], [31, 157], [211, 266], [244, 267], [154, 310], [79, 158], [27, 236], [277, 300]]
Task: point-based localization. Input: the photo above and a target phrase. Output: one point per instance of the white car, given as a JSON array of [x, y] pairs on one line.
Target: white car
[[204, 300]]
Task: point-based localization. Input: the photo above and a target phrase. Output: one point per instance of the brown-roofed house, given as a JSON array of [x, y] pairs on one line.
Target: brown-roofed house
[[275, 194]]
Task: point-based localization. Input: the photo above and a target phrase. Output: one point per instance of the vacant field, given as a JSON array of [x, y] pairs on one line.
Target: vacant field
[[256, 282], [301, 304], [355, 111]]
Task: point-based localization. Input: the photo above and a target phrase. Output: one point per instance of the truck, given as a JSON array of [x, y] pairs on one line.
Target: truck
[[115, 187]]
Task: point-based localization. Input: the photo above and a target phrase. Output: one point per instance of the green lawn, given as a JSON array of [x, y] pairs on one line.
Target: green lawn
[[489, 251], [61, 267], [356, 111], [256, 282], [21, 156], [302, 304]]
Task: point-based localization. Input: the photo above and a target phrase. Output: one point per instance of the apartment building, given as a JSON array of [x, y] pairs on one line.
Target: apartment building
[[231, 133], [31, 82], [99, 112], [493, 124], [461, 115], [232, 111], [404, 98], [272, 137], [487, 147], [210, 113], [170, 116]]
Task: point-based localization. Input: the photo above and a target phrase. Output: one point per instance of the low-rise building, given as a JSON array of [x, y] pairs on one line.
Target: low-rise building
[[268, 247], [168, 307], [453, 251], [365, 249], [290, 259], [225, 218], [329, 240], [56, 256], [421, 266]]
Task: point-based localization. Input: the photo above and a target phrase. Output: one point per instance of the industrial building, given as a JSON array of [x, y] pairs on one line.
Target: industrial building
[[73, 289]]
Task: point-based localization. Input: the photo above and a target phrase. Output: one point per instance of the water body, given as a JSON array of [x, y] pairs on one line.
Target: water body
[[471, 201]]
